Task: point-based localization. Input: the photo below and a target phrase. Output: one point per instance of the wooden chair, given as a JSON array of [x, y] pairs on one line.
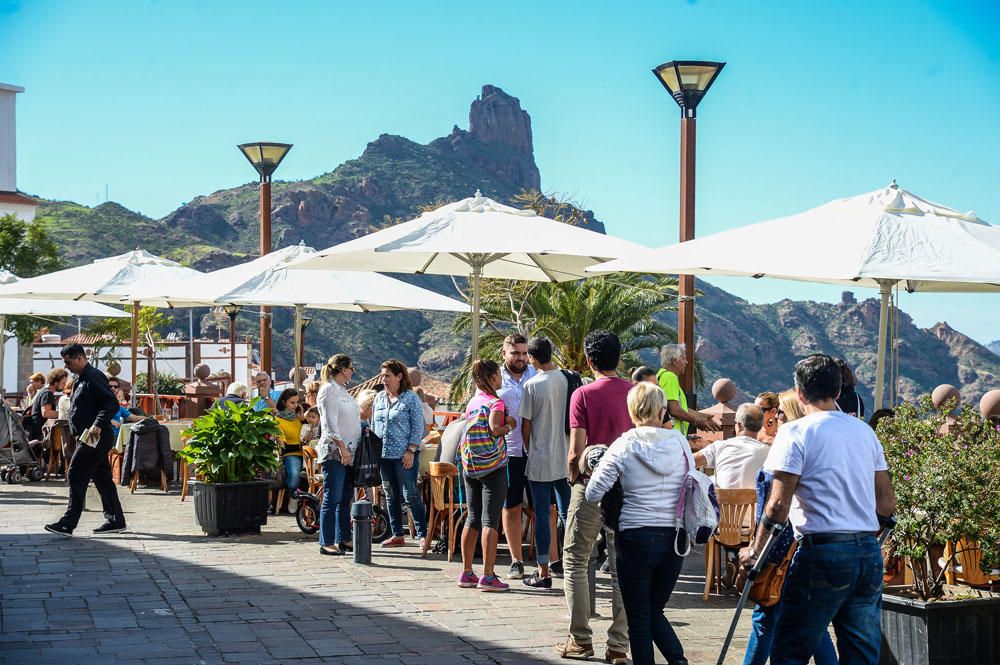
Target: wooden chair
[[737, 512], [59, 434], [965, 568], [442, 504], [134, 483], [314, 478]]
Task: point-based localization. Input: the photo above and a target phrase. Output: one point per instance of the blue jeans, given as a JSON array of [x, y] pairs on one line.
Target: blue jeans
[[541, 498], [395, 481], [648, 569], [335, 509], [838, 582], [762, 636], [293, 469]]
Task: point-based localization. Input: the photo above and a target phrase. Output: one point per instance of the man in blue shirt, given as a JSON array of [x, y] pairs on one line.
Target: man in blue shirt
[[269, 397], [515, 371]]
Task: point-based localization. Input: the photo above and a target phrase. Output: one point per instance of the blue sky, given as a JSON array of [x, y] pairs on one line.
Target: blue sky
[[818, 101]]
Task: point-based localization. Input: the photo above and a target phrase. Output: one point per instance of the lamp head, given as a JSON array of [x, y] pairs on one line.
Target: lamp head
[[265, 157], [687, 81]]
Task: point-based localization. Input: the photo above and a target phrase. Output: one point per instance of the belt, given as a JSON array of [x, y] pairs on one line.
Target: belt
[[813, 539]]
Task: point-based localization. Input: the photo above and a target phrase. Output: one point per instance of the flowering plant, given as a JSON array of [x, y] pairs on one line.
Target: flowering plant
[[945, 472]]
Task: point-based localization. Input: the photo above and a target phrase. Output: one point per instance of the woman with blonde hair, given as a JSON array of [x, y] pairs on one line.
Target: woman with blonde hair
[[340, 424], [789, 408]]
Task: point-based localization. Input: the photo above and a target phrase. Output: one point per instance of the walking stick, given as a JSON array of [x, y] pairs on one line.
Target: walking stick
[[752, 574]]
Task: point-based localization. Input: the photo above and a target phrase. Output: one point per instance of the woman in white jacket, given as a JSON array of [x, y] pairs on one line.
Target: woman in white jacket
[[651, 463]]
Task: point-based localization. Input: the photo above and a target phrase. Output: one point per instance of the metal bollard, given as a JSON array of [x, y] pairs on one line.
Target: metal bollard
[[361, 517]]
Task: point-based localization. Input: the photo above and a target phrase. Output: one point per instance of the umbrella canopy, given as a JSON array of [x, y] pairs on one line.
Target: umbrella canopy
[[266, 281], [477, 237], [117, 279], [26, 307], [881, 239]]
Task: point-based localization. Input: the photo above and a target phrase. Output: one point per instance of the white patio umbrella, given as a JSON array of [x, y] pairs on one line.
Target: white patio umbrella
[[25, 307], [881, 239], [477, 237], [116, 279], [266, 281]]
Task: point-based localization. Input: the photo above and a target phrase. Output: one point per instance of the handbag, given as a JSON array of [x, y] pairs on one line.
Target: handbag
[[766, 589], [366, 470]]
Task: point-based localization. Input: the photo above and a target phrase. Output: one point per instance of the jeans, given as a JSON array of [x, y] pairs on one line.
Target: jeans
[[293, 469], [762, 636], [648, 569], [92, 464], [541, 498], [396, 480], [335, 509], [583, 525], [838, 582]]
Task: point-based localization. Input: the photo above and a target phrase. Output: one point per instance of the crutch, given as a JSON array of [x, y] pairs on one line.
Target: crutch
[[773, 533]]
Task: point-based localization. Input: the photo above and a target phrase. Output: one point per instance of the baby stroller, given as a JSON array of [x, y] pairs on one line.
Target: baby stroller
[[17, 458]]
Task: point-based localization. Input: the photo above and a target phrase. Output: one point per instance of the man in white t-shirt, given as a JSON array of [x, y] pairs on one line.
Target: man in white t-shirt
[[832, 482], [738, 460]]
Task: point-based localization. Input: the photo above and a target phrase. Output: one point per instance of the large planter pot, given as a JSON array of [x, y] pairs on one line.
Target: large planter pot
[[223, 509], [943, 632]]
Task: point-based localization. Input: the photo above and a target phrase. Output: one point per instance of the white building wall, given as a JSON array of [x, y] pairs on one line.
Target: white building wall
[[8, 137], [23, 212]]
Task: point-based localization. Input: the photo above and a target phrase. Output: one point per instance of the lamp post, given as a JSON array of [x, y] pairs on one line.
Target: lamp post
[[232, 311], [687, 81], [306, 320], [265, 158]]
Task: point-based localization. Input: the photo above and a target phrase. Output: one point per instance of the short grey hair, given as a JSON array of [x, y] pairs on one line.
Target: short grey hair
[[671, 352], [750, 416], [237, 388]]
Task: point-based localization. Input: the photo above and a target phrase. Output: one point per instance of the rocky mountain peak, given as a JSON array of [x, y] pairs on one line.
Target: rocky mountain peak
[[496, 117]]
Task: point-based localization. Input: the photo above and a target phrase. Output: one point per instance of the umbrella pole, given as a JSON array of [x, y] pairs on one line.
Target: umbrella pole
[[477, 271], [298, 347], [883, 334], [135, 348]]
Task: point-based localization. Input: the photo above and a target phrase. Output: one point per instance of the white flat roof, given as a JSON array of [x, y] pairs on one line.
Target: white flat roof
[[6, 87]]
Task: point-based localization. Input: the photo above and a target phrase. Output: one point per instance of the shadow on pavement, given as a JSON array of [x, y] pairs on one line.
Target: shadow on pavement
[[90, 600]]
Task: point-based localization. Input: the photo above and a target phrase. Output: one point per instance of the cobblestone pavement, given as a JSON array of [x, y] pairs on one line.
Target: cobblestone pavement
[[163, 594]]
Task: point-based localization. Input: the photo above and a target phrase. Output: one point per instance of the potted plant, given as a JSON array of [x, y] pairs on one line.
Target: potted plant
[[231, 449], [946, 476]]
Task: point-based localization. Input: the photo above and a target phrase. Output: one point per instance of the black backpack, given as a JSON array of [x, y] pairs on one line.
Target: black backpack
[[573, 381]]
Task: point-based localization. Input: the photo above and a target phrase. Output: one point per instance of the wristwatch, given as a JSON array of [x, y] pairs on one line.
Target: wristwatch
[[411, 449]]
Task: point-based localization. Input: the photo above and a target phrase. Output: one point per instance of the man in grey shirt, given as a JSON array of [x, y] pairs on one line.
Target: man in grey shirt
[[546, 443]]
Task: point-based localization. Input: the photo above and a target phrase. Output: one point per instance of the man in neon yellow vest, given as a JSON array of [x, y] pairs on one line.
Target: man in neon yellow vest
[[673, 358]]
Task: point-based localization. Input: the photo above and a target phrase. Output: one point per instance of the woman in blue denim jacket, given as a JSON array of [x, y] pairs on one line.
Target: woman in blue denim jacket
[[398, 419], [764, 618]]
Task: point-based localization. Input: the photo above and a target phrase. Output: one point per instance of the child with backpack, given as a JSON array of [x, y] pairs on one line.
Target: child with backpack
[[484, 459]]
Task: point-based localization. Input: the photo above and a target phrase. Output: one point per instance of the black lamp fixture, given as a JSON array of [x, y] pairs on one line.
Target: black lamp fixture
[[232, 311], [265, 157], [687, 81]]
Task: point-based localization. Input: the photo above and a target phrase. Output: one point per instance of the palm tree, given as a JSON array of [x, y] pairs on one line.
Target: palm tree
[[625, 304]]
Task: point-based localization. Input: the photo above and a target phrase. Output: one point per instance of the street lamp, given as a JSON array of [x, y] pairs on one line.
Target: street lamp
[[687, 81], [265, 158], [232, 311], [306, 320]]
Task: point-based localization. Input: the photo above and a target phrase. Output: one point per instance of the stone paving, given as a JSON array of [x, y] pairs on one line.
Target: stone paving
[[163, 594]]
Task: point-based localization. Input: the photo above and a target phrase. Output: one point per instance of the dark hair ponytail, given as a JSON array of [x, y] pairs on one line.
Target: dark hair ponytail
[[482, 372]]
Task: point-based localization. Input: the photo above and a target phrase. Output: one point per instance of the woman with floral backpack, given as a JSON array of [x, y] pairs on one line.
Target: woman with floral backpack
[[484, 459]]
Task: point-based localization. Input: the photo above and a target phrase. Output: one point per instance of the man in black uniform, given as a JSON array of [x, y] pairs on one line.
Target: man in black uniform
[[92, 407]]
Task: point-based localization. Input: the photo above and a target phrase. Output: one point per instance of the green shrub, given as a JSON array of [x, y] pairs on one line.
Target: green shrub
[[233, 444]]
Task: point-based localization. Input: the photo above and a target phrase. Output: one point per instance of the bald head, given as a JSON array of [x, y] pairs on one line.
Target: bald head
[[750, 418]]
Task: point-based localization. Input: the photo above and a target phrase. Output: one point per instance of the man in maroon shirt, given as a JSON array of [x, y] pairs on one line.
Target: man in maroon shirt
[[598, 415]]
